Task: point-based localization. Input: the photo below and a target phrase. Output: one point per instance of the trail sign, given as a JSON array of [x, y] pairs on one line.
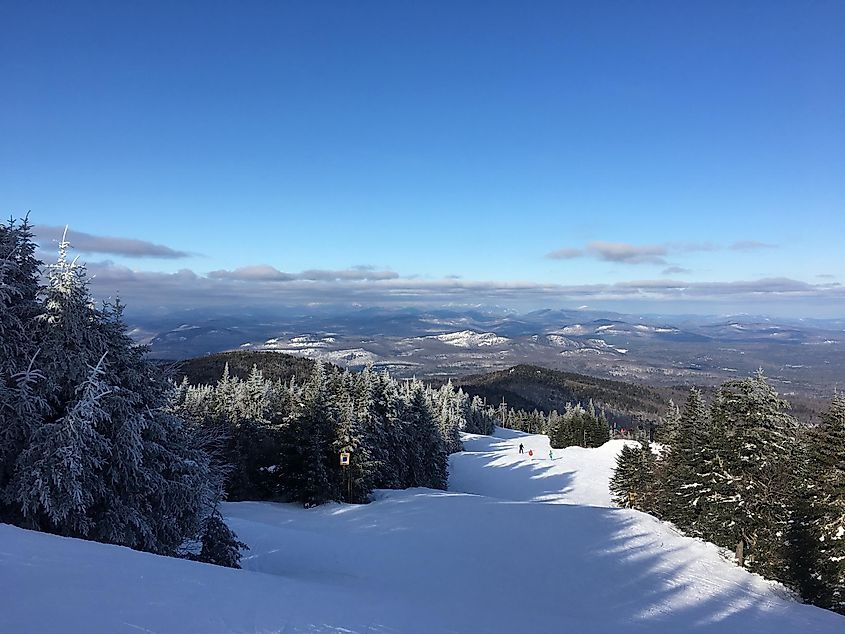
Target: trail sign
[[344, 458]]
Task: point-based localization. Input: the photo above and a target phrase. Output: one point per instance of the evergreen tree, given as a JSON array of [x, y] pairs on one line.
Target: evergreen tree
[[309, 440], [21, 397], [394, 432], [58, 477], [600, 431], [356, 479], [754, 490], [219, 544], [95, 451], [669, 426], [633, 481], [821, 552], [428, 460], [689, 453]]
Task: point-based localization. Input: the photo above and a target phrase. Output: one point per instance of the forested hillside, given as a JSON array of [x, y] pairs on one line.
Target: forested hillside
[[274, 366], [531, 387]]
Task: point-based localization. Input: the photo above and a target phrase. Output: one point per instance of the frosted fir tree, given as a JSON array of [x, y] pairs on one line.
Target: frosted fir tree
[[355, 480], [394, 434], [371, 421], [307, 451], [19, 271], [428, 460], [70, 340], [21, 396], [823, 511], [446, 403], [102, 457], [58, 476], [480, 419], [632, 483], [688, 460], [218, 543], [753, 496], [600, 430], [560, 428], [227, 398], [254, 399], [669, 426]]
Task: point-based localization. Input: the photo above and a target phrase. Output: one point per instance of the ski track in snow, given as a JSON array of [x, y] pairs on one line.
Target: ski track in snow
[[518, 544]]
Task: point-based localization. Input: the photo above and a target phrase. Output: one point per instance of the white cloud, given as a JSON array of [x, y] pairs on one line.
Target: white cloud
[[89, 243], [750, 245], [265, 286]]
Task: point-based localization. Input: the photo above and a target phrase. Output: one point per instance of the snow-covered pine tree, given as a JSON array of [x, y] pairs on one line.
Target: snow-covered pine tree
[[355, 481], [58, 476], [70, 341], [428, 460], [687, 459], [632, 484], [649, 481], [160, 482], [254, 397], [754, 490], [668, 426], [308, 443], [624, 475], [218, 543], [445, 402], [600, 430], [21, 398], [394, 434], [820, 555], [103, 458]]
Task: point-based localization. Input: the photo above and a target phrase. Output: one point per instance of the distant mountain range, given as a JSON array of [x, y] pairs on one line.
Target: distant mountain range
[[803, 358]]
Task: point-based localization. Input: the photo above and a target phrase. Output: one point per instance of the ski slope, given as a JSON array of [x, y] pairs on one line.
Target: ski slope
[[516, 545]]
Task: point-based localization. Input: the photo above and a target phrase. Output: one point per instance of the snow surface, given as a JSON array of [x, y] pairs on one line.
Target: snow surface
[[519, 544]]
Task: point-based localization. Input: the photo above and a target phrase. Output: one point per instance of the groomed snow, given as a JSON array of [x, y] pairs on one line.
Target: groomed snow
[[519, 544]]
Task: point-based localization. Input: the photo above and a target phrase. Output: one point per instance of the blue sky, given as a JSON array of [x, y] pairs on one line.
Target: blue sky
[[441, 143]]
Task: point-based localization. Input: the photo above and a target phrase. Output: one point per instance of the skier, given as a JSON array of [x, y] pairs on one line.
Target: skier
[[521, 448], [530, 453], [551, 455]]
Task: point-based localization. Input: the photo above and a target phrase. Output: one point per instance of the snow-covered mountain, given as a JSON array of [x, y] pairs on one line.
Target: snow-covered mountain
[[805, 357], [518, 544], [471, 339]]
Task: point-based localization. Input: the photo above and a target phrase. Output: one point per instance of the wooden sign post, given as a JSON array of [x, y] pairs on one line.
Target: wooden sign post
[[344, 462]]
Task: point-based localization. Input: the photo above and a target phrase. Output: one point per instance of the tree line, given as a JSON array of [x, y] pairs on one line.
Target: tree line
[[743, 474], [577, 426], [284, 439], [529, 387]]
